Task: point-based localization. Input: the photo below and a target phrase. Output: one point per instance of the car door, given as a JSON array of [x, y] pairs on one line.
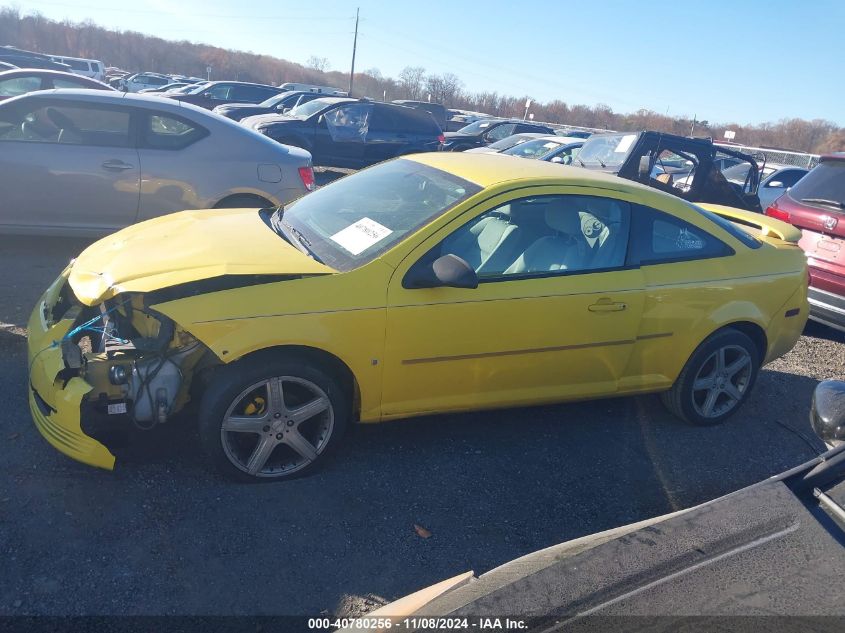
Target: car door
[[555, 314], [340, 135], [67, 164], [385, 134], [173, 178]]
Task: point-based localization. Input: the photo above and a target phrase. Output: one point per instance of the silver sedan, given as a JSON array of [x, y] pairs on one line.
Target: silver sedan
[[85, 162]]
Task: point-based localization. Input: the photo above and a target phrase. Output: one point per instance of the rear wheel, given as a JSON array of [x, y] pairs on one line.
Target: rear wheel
[[716, 380], [271, 419]]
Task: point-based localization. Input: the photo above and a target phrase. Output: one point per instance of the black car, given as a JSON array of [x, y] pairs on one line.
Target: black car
[[344, 132], [437, 110], [217, 93], [276, 104], [27, 59], [487, 131]]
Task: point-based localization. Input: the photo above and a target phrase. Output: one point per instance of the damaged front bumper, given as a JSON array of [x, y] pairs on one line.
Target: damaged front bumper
[[55, 401]]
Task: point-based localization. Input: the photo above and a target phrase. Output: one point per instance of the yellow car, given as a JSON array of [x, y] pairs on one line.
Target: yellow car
[[428, 284]]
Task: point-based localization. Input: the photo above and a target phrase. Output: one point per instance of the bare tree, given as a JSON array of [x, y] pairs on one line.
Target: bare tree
[[318, 63], [411, 81]]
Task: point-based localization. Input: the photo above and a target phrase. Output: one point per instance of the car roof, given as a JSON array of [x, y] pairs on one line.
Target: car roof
[[43, 72], [115, 98], [486, 170], [243, 83]]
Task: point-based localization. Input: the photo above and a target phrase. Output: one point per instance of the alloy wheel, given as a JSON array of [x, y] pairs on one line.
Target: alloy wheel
[[277, 427], [722, 381]]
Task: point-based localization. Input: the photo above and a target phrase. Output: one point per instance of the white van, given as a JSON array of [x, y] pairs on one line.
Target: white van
[[327, 90], [86, 67]]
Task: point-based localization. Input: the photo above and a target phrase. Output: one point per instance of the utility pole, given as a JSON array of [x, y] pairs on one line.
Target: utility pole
[[694, 121], [354, 47]]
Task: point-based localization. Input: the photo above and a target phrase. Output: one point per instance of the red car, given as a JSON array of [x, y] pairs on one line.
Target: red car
[[816, 205], [24, 80]]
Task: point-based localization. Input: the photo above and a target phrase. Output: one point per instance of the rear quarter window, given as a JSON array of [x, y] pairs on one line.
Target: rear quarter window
[[660, 238]]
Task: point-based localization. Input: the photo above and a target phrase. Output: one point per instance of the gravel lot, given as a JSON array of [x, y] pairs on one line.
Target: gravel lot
[[164, 535]]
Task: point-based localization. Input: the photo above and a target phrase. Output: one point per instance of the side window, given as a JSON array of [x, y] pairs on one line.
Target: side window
[[162, 131], [73, 125], [220, 91], [662, 238], [384, 120], [64, 83], [788, 178], [542, 235], [19, 86], [503, 131], [349, 123], [673, 170], [249, 93]]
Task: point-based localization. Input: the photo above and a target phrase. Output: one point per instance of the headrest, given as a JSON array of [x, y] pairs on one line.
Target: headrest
[[562, 216]]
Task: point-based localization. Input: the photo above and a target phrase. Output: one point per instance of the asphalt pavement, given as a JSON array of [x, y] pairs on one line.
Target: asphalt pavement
[[163, 534]]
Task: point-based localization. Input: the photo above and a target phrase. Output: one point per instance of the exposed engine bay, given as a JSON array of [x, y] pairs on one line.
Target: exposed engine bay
[[138, 362]]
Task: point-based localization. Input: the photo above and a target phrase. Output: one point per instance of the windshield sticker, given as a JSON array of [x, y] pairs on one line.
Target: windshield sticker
[[625, 143], [358, 237]]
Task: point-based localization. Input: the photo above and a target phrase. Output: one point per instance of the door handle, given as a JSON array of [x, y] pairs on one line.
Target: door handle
[[607, 306], [116, 165]]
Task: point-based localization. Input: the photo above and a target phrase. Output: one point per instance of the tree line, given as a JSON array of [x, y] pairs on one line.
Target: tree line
[[138, 52]]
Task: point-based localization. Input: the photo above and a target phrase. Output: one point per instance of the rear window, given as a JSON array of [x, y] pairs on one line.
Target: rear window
[[825, 182]]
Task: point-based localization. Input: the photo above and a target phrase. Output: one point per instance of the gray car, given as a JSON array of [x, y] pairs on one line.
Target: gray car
[[84, 162]]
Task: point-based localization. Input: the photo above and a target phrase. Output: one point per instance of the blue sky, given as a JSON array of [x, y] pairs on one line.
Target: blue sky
[[744, 61]]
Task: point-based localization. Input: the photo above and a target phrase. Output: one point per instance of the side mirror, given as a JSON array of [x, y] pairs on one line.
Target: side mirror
[[557, 159], [321, 119], [448, 271], [644, 168], [827, 412], [775, 184]]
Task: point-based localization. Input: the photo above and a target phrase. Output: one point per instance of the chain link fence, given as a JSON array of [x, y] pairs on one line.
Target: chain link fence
[[777, 156]]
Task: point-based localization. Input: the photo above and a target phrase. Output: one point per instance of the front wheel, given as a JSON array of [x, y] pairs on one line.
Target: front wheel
[[716, 380], [271, 419]]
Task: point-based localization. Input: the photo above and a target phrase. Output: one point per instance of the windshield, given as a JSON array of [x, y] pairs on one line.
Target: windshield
[[508, 142], [533, 148], [825, 182], [350, 222], [192, 90], [607, 150], [477, 128], [275, 99], [305, 110]]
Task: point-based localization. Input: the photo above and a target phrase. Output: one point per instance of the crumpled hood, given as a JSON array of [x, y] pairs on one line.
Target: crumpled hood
[[185, 247]]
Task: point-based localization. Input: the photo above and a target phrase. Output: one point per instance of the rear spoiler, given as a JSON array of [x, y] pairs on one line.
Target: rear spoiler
[[769, 227]]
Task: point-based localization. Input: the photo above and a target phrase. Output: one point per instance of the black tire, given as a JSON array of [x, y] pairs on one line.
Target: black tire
[[228, 450], [686, 402], [243, 201]]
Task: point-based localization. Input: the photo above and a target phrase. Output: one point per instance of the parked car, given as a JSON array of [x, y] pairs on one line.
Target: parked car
[[553, 149], [80, 162], [28, 59], [764, 553], [437, 110], [816, 205], [140, 81], [680, 165], [14, 83], [276, 104], [86, 67], [569, 133], [506, 143], [487, 131], [778, 181], [382, 295], [165, 88], [327, 91], [344, 132], [190, 88], [217, 93], [4, 66]]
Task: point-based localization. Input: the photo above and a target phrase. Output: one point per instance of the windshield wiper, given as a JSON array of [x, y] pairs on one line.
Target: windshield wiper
[[285, 230], [825, 201], [583, 164]]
